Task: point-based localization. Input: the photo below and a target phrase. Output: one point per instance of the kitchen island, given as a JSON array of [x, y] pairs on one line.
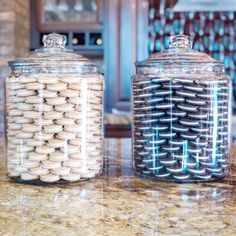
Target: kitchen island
[[118, 204]]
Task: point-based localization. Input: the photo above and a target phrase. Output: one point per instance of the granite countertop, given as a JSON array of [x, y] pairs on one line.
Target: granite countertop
[[118, 203]]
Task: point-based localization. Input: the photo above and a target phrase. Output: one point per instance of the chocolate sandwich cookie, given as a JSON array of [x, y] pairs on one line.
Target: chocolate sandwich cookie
[[185, 93], [176, 112], [188, 108], [181, 176]]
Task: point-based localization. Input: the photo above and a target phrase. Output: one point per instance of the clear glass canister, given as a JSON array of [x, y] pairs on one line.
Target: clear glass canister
[[54, 116], [181, 115]]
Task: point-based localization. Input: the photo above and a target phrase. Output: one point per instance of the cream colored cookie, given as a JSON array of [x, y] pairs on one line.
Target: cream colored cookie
[[32, 114], [15, 86], [43, 136], [88, 175], [27, 176], [69, 93], [49, 178], [15, 112], [96, 87], [52, 129], [35, 86], [20, 168], [22, 120], [75, 100], [16, 99], [45, 149], [12, 173], [77, 155], [58, 156], [14, 126], [70, 149], [34, 156], [31, 128], [56, 101], [57, 87], [25, 93], [27, 79], [39, 171], [43, 122], [47, 79], [65, 135], [34, 99], [72, 128], [72, 163], [48, 164], [64, 108], [69, 79], [34, 142], [57, 143], [11, 106], [63, 170], [52, 115], [24, 135], [24, 106], [73, 114], [65, 121], [47, 94], [43, 107], [25, 149], [71, 177], [30, 164]]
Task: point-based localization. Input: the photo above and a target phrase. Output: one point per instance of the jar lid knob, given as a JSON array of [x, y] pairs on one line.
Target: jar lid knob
[[54, 40], [180, 41]]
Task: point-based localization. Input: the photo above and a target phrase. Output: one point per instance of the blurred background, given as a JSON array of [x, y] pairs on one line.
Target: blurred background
[[115, 34]]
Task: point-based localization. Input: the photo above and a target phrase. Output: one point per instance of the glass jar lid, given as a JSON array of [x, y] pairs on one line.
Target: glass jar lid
[[54, 54], [181, 57]]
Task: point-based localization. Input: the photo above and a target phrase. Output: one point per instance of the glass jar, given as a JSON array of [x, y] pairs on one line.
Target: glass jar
[[181, 114], [54, 116]]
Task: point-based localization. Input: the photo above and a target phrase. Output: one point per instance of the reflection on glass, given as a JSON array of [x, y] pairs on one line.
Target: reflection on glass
[[69, 11]]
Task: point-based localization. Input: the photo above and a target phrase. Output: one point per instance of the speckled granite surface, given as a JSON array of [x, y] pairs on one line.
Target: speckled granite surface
[[118, 204]]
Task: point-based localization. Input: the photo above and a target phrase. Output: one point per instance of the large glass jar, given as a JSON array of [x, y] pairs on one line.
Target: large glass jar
[[54, 116], [181, 113]]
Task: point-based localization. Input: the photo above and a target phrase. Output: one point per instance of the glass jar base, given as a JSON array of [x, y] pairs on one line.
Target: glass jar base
[[38, 182], [172, 180]]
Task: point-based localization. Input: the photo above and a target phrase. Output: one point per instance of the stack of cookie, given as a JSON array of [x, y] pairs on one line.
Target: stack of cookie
[[54, 127], [180, 127]]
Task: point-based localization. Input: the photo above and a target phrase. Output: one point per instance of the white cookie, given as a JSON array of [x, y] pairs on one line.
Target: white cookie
[[57, 143], [63, 170], [35, 86], [34, 156], [27, 79], [65, 107], [65, 135], [15, 86], [52, 115], [25, 93], [22, 120], [73, 114], [50, 178], [27, 176], [31, 128], [14, 126], [72, 128], [24, 106], [34, 100], [24, 135], [52, 129], [15, 112], [58, 156], [56, 101], [65, 121], [72, 163], [69, 93], [43, 122], [38, 171], [57, 87], [71, 177], [48, 79], [47, 94], [32, 114], [34, 142], [43, 107], [30, 164], [44, 149], [48, 164], [70, 149], [43, 136]]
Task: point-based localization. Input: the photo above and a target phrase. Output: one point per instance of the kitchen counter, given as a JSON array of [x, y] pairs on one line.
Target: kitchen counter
[[118, 203]]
